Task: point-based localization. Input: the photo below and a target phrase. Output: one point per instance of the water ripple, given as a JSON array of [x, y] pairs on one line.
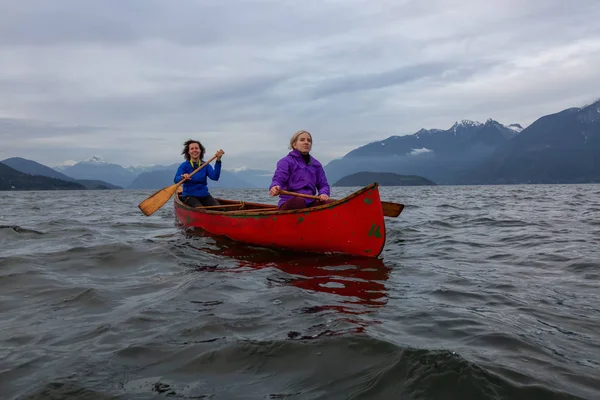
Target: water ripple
[[481, 292]]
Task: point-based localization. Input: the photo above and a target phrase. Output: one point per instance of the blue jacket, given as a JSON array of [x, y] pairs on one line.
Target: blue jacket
[[294, 175], [197, 185]]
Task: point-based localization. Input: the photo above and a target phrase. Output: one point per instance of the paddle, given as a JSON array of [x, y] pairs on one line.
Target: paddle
[[158, 199], [389, 209]]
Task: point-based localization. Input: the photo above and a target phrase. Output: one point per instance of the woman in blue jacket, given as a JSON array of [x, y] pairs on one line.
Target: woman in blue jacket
[[195, 189], [301, 173]]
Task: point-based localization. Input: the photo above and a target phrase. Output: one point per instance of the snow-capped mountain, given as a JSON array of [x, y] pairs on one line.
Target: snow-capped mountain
[[515, 127], [560, 147], [96, 160], [464, 125], [140, 169], [432, 153], [456, 140], [98, 168]]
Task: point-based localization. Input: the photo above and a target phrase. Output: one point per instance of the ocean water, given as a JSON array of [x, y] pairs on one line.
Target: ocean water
[[482, 292]]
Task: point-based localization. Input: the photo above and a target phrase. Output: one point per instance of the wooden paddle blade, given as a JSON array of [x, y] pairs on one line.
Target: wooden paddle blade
[[158, 199], [391, 209]]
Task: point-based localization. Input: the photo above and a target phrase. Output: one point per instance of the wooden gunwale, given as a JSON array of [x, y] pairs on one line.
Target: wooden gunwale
[[270, 207]]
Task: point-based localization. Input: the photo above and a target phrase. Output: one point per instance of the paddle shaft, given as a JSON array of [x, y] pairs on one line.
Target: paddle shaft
[[198, 169], [306, 196]]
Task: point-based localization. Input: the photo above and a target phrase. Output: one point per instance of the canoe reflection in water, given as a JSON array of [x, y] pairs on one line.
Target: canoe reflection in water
[[359, 281]]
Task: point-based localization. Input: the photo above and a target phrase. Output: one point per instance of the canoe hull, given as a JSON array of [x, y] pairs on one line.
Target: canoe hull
[[353, 225]]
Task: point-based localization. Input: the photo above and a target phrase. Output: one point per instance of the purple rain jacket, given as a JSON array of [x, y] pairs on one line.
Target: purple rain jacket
[[294, 175]]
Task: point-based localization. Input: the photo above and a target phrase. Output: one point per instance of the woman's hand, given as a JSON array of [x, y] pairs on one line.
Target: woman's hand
[[219, 154], [323, 197], [274, 191]]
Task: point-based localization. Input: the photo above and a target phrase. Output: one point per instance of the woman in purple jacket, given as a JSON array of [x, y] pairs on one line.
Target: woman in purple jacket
[[301, 173]]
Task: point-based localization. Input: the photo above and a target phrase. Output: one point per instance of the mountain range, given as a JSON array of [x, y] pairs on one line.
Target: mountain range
[[383, 179], [96, 173], [34, 168], [558, 148], [11, 179]]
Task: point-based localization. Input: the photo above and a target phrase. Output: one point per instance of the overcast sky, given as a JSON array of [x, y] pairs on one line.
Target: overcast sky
[[130, 81]]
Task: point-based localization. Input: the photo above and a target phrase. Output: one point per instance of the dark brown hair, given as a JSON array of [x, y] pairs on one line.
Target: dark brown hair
[[186, 149]]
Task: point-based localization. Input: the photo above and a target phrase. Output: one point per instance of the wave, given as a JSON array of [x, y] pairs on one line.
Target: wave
[[18, 229], [343, 367]]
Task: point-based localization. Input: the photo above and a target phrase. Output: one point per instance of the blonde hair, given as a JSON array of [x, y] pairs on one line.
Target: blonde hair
[[295, 136]]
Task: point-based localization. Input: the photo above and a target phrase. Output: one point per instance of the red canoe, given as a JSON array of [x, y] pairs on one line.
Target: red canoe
[[353, 225]]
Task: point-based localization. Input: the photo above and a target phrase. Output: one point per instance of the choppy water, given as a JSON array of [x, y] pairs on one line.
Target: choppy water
[[487, 292]]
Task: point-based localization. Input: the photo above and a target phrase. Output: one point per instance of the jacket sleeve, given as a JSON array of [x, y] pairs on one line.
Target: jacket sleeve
[[180, 171], [322, 184], [214, 173], [282, 174]]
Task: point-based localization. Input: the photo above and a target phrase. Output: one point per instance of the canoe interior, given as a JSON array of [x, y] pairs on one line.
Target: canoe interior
[[232, 206], [242, 207]]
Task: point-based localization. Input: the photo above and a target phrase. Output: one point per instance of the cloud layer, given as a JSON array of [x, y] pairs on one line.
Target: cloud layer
[[130, 81]]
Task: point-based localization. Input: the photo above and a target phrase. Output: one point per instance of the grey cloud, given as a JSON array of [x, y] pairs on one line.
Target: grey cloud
[[398, 76], [191, 103], [18, 128], [236, 91], [247, 74], [40, 22], [264, 22]]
